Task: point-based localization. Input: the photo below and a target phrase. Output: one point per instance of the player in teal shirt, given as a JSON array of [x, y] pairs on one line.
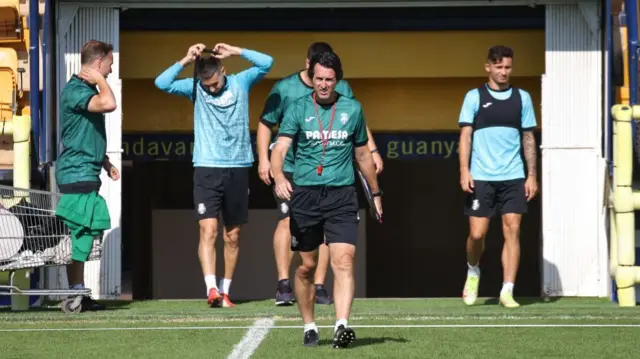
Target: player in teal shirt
[[283, 93], [326, 129], [222, 153], [497, 124]]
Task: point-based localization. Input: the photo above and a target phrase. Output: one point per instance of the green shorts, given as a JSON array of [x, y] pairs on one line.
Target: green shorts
[[87, 216]]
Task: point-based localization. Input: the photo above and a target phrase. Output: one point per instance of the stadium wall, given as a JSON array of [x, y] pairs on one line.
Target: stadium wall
[[575, 259], [453, 76], [414, 90]]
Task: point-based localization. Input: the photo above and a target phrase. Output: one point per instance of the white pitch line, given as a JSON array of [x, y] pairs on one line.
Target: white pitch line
[[398, 326], [252, 339]]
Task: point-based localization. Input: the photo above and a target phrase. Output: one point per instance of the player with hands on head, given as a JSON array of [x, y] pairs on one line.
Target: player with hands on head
[[326, 129], [222, 153]]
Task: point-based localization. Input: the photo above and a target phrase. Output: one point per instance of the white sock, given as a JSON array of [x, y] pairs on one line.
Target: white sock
[[210, 281], [225, 284], [340, 322], [310, 326], [507, 287], [473, 271]]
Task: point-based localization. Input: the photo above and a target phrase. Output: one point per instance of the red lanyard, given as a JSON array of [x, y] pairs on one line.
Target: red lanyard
[[324, 141]]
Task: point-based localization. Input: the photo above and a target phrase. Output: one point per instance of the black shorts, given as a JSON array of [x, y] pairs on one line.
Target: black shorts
[[283, 204], [319, 212], [507, 196], [223, 190]]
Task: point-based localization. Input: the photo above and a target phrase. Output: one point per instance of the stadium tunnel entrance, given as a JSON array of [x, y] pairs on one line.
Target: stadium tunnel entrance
[[410, 68]]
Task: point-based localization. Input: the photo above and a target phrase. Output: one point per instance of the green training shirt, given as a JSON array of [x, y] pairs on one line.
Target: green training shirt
[[84, 138], [283, 93], [348, 131]]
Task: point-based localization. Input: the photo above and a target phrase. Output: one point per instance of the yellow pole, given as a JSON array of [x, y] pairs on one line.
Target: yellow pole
[[613, 247], [20, 127], [625, 202]]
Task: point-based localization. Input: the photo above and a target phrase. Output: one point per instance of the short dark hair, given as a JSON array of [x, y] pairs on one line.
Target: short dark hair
[[207, 67], [329, 60], [497, 53], [94, 50], [317, 48]]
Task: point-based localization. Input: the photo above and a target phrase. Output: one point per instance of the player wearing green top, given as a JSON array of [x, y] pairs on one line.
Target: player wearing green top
[[325, 128], [283, 93], [82, 157]]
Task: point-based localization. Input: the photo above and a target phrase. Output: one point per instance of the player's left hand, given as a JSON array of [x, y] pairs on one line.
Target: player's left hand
[[225, 50], [112, 171], [377, 161], [530, 188]]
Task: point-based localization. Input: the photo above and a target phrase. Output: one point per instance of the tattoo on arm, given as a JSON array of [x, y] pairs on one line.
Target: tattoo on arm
[[529, 146]]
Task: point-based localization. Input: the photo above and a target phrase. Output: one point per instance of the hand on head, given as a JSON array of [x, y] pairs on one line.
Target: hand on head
[[225, 50], [194, 51], [90, 75]]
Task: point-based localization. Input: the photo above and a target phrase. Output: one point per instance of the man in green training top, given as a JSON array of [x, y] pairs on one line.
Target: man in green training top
[[283, 93], [325, 128], [83, 156]]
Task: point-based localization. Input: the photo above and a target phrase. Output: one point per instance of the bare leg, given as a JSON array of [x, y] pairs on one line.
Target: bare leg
[[478, 227], [231, 249], [511, 249], [207, 255], [282, 248], [75, 273], [323, 265], [231, 237], [342, 256], [207, 245], [510, 257], [305, 290]]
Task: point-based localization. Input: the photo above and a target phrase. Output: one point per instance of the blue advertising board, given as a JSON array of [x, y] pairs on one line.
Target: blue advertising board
[[403, 146]]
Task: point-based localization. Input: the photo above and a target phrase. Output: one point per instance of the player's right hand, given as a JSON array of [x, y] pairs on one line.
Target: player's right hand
[[193, 52], [377, 161], [283, 188], [466, 181], [264, 172], [378, 202], [92, 76]]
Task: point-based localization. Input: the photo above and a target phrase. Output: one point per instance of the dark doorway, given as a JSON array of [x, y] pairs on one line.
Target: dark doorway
[[418, 252]]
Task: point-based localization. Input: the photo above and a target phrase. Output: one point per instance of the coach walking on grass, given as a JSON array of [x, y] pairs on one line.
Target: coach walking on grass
[[326, 128]]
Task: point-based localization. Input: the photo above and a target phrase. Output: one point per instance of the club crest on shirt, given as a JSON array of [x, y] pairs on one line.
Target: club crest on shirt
[[344, 117]]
